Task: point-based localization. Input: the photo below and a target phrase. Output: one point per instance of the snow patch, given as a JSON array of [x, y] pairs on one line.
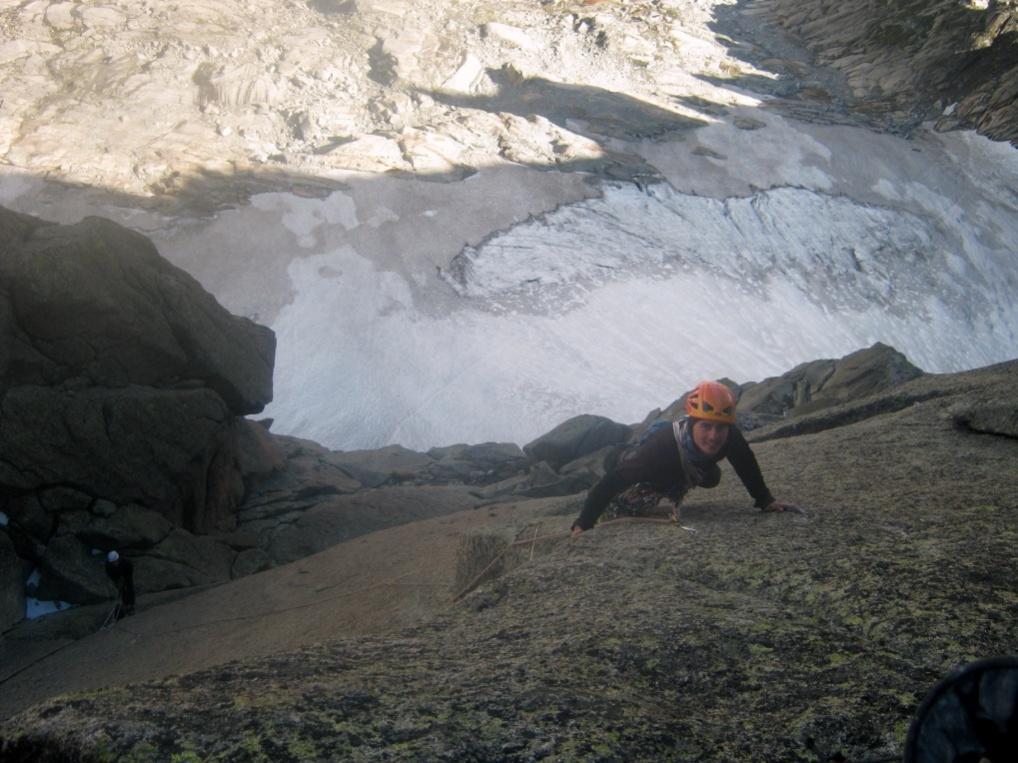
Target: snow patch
[[35, 608], [617, 305], [303, 217]]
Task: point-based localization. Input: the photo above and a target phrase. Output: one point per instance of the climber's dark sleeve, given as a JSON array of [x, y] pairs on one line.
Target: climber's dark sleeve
[[655, 461], [741, 457], [609, 486]]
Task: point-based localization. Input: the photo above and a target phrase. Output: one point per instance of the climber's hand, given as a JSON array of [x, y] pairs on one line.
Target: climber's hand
[[775, 506]]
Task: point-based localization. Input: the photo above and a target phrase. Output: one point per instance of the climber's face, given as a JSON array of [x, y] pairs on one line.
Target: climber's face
[[710, 436]]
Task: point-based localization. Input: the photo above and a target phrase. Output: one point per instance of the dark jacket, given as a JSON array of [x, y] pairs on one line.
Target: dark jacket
[[656, 461]]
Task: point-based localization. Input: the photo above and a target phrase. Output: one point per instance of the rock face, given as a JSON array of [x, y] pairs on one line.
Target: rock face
[[476, 464], [809, 387], [763, 637], [954, 62], [315, 87], [987, 414], [121, 392], [316, 498], [94, 305], [823, 383], [122, 377]]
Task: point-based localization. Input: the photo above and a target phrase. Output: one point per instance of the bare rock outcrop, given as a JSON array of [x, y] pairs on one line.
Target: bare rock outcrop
[[95, 305], [987, 415], [811, 387], [122, 383], [950, 61], [574, 438], [762, 637], [822, 383], [121, 394], [316, 497]]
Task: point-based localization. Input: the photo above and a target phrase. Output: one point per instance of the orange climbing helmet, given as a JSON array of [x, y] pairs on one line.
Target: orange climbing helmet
[[711, 401]]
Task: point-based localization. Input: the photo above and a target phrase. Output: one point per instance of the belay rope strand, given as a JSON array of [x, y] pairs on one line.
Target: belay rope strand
[[112, 617]]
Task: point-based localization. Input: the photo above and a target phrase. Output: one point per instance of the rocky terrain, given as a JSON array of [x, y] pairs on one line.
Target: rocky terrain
[[737, 634], [423, 181], [758, 637], [955, 63], [139, 387], [155, 101], [124, 386], [389, 158]]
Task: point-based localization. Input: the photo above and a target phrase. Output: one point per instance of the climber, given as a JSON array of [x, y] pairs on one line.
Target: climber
[[121, 572], [673, 459]]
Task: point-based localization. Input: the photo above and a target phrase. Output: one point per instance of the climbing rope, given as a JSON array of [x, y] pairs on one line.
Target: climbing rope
[[112, 617]]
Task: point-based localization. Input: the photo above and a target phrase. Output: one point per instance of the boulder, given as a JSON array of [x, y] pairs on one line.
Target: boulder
[[544, 482], [182, 560], [61, 498], [591, 464], [309, 476], [860, 374], [121, 376], [71, 572], [27, 514], [133, 527], [541, 481], [822, 383], [95, 304], [250, 561], [121, 384], [576, 437], [997, 416], [257, 452], [239, 540], [347, 516], [103, 508], [780, 394]]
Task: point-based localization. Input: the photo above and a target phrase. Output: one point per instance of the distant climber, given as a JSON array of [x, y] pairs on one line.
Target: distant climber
[[121, 572], [672, 459]]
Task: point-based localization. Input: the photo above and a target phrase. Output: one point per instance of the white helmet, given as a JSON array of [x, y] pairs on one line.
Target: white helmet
[[112, 556]]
